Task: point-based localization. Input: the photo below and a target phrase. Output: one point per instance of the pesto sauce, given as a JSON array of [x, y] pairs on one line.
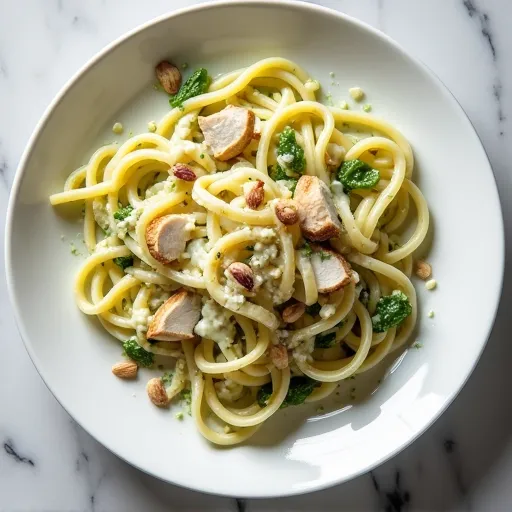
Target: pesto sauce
[[355, 174], [196, 84], [391, 311]]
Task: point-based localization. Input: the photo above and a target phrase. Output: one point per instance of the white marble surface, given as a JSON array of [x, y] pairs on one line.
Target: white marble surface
[[464, 462]]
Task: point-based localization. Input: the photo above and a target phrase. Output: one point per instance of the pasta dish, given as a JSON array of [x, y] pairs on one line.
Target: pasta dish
[[250, 247]]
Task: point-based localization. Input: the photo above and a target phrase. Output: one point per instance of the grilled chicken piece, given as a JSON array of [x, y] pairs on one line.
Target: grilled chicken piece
[[167, 236], [317, 215], [228, 132], [176, 318], [331, 270]]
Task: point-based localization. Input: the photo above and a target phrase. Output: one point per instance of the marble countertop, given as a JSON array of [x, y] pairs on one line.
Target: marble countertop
[[463, 462]]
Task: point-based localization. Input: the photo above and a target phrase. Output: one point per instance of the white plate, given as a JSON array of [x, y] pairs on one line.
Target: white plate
[[299, 450]]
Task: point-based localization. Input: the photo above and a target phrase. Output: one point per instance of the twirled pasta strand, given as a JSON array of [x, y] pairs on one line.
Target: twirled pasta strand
[[136, 175]]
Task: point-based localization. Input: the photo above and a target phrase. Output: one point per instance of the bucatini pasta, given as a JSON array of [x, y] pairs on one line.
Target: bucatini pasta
[[252, 238]]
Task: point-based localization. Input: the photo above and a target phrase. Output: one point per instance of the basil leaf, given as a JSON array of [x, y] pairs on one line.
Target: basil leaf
[[197, 84], [357, 174], [391, 311]]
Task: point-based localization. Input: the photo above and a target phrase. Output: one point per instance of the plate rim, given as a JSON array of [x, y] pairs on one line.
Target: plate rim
[[97, 57]]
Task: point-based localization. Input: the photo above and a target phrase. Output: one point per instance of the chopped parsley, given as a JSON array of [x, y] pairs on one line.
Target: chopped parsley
[[167, 378], [186, 396], [300, 388], [134, 351], [325, 341], [124, 261], [123, 212], [306, 250], [197, 84], [324, 255], [355, 174], [391, 311]]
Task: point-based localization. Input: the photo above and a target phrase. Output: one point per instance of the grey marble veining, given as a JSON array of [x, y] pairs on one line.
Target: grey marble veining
[[485, 24], [463, 462], [11, 452]]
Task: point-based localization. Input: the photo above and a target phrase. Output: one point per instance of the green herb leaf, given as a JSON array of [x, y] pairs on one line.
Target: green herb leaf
[[325, 341], [357, 174], [277, 173], [124, 261], [306, 250], [292, 161], [167, 378], [391, 310], [124, 212], [292, 185], [324, 255], [186, 396], [300, 388], [290, 149], [137, 353], [197, 84]]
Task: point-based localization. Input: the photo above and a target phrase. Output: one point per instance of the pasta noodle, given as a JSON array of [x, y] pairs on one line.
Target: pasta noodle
[[244, 361]]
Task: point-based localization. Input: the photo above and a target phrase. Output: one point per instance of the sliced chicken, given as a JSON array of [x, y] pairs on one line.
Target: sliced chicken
[[228, 132], [317, 215], [331, 270], [167, 236], [176, 318]]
